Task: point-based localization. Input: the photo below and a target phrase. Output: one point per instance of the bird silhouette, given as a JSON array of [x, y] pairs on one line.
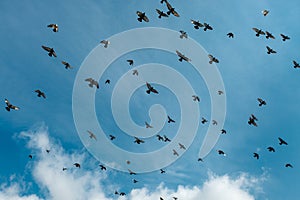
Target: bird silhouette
[[162, 171], [289, 165], [9, 106], [92, 82], [183, 34], [40, 93], [207, 27], [261, 102], [223, 131], [196, 24], [148, 125], [159, 137], [230, 35], [212, 59], [196, 98], [166, 139], [138, 141], [105, 42], [130, 62], [30, 156], [182, 57], [135, 72], [112, 137], [281, 141], [107, 81], [102, 167], [92, 135], [150, 89], [181, 146], [220, 152], [77, 165], [170, 119], [256, 155], [270, 50], [53, 26], [271, 149], [203, 120], [252, 120], [67, 65], [269, 35], [284, 37], [265, 12], [142, 16], [50, 51], [161, 13], [296, 65], [131, 172], [258, 32]]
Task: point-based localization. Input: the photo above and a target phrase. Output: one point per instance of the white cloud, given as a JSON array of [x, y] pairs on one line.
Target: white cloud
[[87, 184]]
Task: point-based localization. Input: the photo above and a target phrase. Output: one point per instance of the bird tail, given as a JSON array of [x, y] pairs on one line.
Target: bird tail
[[148, 91]]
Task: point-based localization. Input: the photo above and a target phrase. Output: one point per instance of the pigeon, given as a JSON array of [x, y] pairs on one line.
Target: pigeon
[[296, 65], [112, 137], [220, 92], [130, 62], [261, 102], [9, 106], [166, 139], [53, 26], [284, 37], [196, 98], [159, 137], [171, 10], [175, 198], [289, 165], [138, 141], [281, 141], [212, 59], [102, 167], [183, 34], [256, 155], [203, 120], [161, 13], [92, 82], [134, 181], [135, 72], [150, 89], [160, 198], [230, 35], [271, 149], [107, 81], [131, 172], [200, 159], [258, 32], [50, 51], [105, 42], [170, 120], [48, 150], [214, 122], [270, 50], [181, 146], [30, 156], [142, 16], [252, 120], [223, 131], [67, 65], [182, 57], [122, 193], [162, 171], [269, 35], [64, 168], [265, 12], [77, 165], [220, 152], [207, 27], [175, 152], [196, 24], [92, 135], [148, 125], [40, 93]]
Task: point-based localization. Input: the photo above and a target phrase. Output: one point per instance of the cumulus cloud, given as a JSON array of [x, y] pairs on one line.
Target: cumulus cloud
[[87, 184]]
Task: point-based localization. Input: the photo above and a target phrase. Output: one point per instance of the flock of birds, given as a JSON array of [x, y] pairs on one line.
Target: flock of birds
[[150, 89]]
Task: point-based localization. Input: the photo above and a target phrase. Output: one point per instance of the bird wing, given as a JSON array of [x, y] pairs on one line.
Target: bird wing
[[179, 54], [145, 18], [46, 48], [154, 91], [148, 85]]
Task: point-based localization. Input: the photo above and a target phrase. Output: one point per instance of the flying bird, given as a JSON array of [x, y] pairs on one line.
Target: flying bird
[[203, 120], [214, 122], [30, 156], [105, 42], [261, 102], [281, 141], [131, 172], [181, 146], [252, 120], [223, 131], [212, 59], [256, 155], [289, 165], [40, 93], [230, 35], [102, 167], [220, 92], [130, 62], [166, 139], [64, 168], [162, 171], [171, 9], [9, 106], [183, 34], [220, 152], [134, 181], [258, 32], [182, 57], [50, 51], [148, 125], [122, 193], [48, 150], [270, 50], [170, 120], [138, 140], [67, 65], [77, 165], [284, 37], [135, 72], [53, 26], [196, 24], [92, 82], [196, 98], [161, 13], [107, 81], [159, 137], [112, 137], [271, 149], [175, 152], [91, 135], [296, 65], [269, 35], [265, 12], [200, 159], [150, 89], [207, 27], [142, 16]]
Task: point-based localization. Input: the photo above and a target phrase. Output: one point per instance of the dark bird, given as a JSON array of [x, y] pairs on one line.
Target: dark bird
[[159, 137], [122, 193], [166, 139], [135, 72], [50, 51], [271, 149], [183, 34], [92, 135], [112, 137], [269, 35], [258, 32], [200, 159], [170, 120], [196, 24], [131, 172], [134, 181], [67, 65], [223, 131], [30, 156], [161, 13], [203, 120], [40, 93], [230, 35], [130, 62], [162, 1], [181, 146], [214, 122], [284, 37], [281, 141], [261, 102], [105, 42], [171, 9], [175, 152], [150, 89], [54, 27], [92, 82], [175, 198], [64, 168], [207, 27], [138, 141], [196, 98], [212, 59], [265, 12], [270, 50], [182, 57], [220, 92], [252, 120], [256, 155], [162, 171], [116, 192], [48, 150], [10, 106], [142, 16], [160, 198], [77, 165], [220, 152], [102, 167], [148, 125], [107, 81], [296, 65], [289, 165]]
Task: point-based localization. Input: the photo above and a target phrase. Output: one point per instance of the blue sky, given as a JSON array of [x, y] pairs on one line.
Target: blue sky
[[248, 72]]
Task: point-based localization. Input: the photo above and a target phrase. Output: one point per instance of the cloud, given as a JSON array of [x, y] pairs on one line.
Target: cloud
[[87, 183]]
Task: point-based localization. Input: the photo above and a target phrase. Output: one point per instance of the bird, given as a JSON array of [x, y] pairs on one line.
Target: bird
[[105, 42], [67, 65], [271, 149], [50, 51], [270, 50], [182, 57], [112, 137], [296, 64], [196, 24], [183, 34], [171, 10], [122, 193], [175, 152], [269, 35], [150, 89], [258, 32], [284, 37], [220, 152], [48, 150], [159, 137], [138, 140], [142, 16], [200, 159], [30, 156], [281, 141], [40, 93], [212, 59], [130, 61], [181, 146], [265, 12], [252, 120], [148, 125], [230, 35], [134, 181], [223, 131], [214, 122], [162, 171], [175, 198], [166, 139], [261, 102], [92, 82], [135, 72], [92, 135], [170, 120], [256, 155], [9, 106], [77, 165], [203, 120], [220, 92], [64, 168], [102, 167], [160, 198], [196, 98], [53, 26], [207, 27], [131, 172], [289, 165], [107, 81], [161, 13]]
